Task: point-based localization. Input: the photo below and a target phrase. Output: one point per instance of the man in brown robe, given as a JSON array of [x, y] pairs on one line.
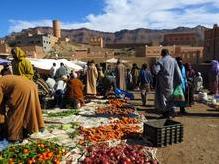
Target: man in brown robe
[[92, 76], [74, 92], [120, 76], [21, 96]]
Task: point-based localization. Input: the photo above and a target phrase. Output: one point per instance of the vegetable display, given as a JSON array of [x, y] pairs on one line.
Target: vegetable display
[[118, 103], [109, 132], [88, 141], [33, 152], [63, 113], [125, 120], [114, 111], [120, 154]]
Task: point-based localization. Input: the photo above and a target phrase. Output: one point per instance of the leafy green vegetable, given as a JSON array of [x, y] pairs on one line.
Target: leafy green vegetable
[[63, 114]]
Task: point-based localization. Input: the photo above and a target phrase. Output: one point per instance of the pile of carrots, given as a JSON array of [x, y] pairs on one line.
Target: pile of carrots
[[125, 120], [117, 103], [117, 129], [109, 132], [114, 111]]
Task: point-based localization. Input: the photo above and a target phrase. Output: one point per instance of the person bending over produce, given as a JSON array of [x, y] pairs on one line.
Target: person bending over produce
[[24, 113], [74, 92]]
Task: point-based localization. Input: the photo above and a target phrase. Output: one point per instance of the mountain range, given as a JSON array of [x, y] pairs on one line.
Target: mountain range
[[140, 35]]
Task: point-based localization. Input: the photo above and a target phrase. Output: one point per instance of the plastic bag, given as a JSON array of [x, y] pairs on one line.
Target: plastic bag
[[178, 94]]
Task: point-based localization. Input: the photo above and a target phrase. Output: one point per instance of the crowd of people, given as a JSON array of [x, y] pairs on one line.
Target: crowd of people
[[23, 89]]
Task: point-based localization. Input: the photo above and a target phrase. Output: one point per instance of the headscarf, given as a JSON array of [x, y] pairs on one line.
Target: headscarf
[[20, 53], [75, 75]]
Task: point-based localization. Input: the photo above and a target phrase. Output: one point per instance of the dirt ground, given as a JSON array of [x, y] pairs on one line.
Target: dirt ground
[[201, 135]]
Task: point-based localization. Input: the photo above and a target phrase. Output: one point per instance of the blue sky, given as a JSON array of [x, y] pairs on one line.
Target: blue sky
[[107, 15], [36, 10]]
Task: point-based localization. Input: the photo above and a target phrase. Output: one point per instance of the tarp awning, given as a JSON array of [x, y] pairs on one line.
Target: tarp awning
[[114, 60], [46, 64]]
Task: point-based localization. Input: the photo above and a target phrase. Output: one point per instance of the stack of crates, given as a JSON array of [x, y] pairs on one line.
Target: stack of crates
[[163, 132]]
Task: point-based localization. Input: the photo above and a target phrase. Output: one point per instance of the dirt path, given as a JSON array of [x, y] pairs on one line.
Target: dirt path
[[201, 135]]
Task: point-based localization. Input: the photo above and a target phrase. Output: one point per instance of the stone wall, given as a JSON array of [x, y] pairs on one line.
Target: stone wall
[[211, 44], [33, 51]]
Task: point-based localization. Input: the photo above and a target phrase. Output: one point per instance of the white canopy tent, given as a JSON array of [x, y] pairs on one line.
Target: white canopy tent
[[80, 63], [114, 60], [46, 64]]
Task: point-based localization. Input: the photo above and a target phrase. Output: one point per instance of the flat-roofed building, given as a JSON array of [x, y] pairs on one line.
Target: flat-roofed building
[[211, 44], [190, 39], [189, 54], [45, 41]]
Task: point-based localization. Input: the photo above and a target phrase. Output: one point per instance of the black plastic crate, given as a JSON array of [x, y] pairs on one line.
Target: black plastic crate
[[163, 132]]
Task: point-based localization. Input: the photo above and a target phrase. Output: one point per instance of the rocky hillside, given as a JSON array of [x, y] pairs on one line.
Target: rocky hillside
[[140, 35]]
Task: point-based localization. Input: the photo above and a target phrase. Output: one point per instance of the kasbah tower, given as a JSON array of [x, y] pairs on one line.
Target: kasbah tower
[[56, 29]]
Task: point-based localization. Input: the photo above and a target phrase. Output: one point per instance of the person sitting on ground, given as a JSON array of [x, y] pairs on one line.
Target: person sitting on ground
[[20, 64], [43, 88], [198, 82], [6, 70], [74, 92], [24, 115]]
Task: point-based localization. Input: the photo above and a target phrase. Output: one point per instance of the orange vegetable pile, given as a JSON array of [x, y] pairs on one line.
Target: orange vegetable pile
[[109, 132], [34, 152], [125, 120], [114, 111], [117, 103]]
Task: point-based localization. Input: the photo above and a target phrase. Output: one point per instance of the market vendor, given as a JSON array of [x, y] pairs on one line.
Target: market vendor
[[74, 92], [20, 64], [24, 113]]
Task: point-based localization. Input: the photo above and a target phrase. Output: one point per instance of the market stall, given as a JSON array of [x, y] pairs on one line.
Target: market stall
[[93, 134], [114, 61], [46, 64]]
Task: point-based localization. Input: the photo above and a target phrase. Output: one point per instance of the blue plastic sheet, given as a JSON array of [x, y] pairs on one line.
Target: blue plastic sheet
[[122, 94], [4, 61]]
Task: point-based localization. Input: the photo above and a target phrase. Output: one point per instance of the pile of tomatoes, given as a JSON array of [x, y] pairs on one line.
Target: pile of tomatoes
[[34, 152]]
